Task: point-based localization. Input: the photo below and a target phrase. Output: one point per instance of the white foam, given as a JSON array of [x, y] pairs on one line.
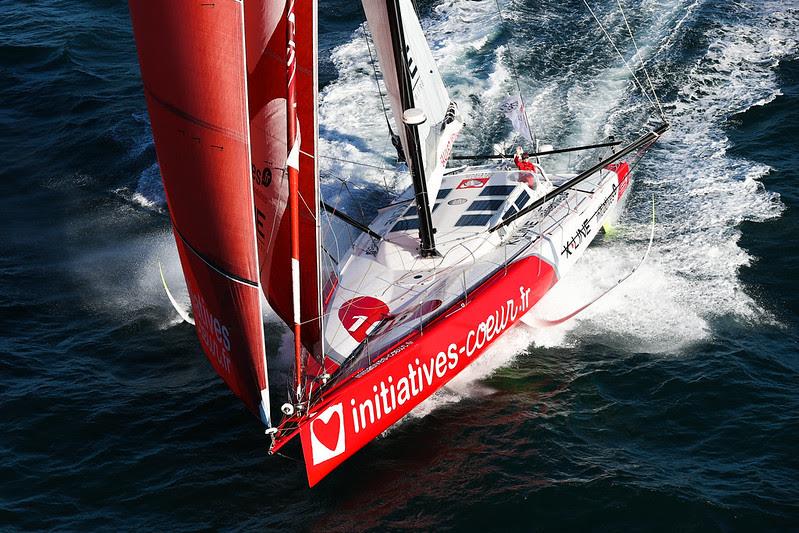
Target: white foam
[[115, 284], [703, 193], [150, 190]]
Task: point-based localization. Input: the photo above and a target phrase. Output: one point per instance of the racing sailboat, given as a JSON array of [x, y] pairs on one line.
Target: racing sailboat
[[438, 275]]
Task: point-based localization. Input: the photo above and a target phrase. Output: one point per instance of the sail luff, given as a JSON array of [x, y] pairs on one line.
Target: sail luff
[[320, 275], [411, 58], [413, 150], [265, 406]]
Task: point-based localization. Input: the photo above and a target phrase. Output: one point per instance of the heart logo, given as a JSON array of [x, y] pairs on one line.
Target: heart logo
[[327, 434], [327, 431]]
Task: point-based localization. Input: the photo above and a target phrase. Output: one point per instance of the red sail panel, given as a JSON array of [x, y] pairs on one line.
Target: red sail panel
[[227, 315], [265, 29], [193, 68]]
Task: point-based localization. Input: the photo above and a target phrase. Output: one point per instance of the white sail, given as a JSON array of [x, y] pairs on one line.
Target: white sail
[[443, 123]]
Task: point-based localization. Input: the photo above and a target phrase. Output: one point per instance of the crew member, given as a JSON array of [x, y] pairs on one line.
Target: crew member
[[524, 163]]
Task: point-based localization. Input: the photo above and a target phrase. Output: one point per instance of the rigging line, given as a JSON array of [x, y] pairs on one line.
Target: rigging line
[[377, 82], [339, 197], [386, 169], [354, 200], [351, 221], [539, 154], [643, 65], [335, 241], [329, 255], [516, 77], [613, 44]]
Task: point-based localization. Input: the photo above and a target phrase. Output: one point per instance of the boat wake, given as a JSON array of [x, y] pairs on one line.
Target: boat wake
[[703, 192], [577, 92]]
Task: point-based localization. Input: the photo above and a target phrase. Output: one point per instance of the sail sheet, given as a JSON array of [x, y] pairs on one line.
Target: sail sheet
[[193, 69], [443, 123], [266, 44]]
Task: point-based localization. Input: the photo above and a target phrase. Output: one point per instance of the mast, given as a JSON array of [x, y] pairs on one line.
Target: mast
[[293, 166], [412, 118]]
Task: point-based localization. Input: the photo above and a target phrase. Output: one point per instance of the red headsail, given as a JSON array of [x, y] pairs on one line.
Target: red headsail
[[194, 72], [265, 25]]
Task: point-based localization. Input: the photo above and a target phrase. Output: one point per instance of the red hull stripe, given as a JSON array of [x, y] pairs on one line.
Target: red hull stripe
[[378, 397], [622, 170]]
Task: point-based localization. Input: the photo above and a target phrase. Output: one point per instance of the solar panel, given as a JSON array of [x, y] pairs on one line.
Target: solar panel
[[486, 205], [442, 193], [497, 190], [473, 220], [406, 224], [522, 199]]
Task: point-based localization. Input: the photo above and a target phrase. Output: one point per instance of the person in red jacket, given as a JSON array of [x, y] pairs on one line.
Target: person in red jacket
[[523, 163]]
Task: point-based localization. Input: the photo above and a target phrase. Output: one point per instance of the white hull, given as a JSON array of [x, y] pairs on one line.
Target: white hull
[[385, 290]]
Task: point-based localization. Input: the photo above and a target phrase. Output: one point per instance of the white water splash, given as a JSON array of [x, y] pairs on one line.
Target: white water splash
[[702, 193]]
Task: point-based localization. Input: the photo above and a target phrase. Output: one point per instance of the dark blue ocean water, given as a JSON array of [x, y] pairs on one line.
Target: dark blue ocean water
[[672, 406]]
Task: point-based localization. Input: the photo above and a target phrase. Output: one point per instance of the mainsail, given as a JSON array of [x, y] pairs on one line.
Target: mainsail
[[194, 73], [442, 125]]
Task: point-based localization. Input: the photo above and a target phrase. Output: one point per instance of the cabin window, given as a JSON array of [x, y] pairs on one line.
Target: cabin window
[[486, 205], [509, 213], [497, 190], [473, 220]]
